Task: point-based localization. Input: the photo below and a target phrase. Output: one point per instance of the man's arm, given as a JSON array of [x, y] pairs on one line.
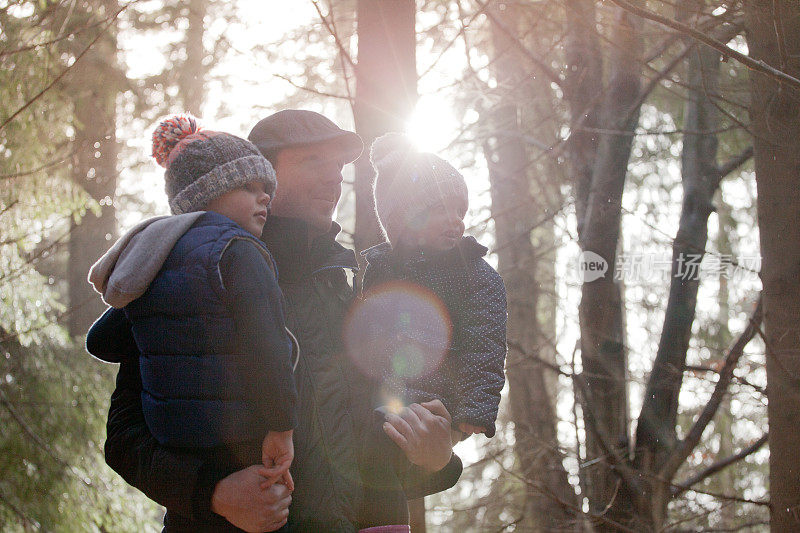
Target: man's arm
[[110, 338], [181, 481], [167, 476]]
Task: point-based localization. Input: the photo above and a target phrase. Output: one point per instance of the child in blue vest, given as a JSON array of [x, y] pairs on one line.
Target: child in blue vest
[[427, 264], [199, 292]]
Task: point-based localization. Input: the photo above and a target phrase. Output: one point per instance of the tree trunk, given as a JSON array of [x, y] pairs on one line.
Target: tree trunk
[[94, 169], [656, 431], [773, 36], [583, 75], [386, 92], [191, 79], [601, 311], [724, 422], [515, 213]]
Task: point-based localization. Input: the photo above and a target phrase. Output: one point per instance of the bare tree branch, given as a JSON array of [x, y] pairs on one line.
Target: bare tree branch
[[734, 163], [727, 51], [682, 487], [548, 72], [685, 447], [312, 90]]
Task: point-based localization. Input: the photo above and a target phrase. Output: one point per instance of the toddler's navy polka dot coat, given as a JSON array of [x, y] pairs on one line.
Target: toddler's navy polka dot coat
[[471, 376]]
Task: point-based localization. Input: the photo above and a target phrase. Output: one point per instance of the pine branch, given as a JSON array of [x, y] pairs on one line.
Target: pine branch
[[64, 72]]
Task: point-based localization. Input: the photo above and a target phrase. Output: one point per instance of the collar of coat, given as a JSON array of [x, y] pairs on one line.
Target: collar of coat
[[383, 255], [287, 240]]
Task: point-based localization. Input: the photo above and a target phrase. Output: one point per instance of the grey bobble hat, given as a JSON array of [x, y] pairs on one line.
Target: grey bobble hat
[[292, 128], [409, 181], [203, 165]]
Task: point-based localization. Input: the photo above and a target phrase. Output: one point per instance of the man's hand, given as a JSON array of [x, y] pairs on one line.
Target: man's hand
[[240, 499], [422, 431]]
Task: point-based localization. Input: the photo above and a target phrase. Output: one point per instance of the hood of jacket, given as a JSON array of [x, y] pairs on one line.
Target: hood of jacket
[[126, 270]]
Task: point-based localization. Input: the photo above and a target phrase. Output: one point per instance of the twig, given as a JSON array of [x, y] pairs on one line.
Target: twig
[[343, 52], [685, 447], [545, 69], [42, 167], [753, 64], [311, 90], [682, 487], [27, 521], [734, 163], [55, 39]]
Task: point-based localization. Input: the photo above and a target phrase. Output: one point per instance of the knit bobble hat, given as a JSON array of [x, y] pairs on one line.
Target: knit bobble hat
[[203, 165], [408, 181]]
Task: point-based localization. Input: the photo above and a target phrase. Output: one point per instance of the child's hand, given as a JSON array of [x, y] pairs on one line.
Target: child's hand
[[469, 429], [277, 453]]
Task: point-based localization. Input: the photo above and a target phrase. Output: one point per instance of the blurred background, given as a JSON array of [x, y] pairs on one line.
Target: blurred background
[[635, 401]]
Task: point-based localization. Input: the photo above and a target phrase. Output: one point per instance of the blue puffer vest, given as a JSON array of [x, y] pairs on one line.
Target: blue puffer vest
[[197, 391]]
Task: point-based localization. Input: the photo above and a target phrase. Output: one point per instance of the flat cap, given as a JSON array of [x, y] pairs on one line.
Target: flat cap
[[298, 127]]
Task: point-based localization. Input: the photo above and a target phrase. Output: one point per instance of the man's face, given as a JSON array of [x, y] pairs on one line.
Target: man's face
[[309, 184]]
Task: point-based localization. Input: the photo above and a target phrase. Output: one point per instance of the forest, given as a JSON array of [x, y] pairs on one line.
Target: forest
[[634, 170]]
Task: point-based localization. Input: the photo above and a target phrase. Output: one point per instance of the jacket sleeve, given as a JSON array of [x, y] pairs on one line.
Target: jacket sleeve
[[182, 481], [110, 338], [480, 349], [417, 482], [257, 307]]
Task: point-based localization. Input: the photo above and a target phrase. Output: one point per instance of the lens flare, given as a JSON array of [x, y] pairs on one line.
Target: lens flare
[[399, 331]]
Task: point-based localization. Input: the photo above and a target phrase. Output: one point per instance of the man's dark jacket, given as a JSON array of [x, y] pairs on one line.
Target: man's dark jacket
[[333, 409]]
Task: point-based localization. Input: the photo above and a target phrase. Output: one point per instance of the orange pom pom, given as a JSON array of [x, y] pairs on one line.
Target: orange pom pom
[[169, 133]]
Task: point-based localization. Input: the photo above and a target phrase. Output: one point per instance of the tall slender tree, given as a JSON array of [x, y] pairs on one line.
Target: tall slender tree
[[94, 166], [517, 215], [386, 91], [773, 37]]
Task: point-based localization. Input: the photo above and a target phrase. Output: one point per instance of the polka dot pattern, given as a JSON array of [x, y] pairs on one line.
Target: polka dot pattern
[[471, 376]]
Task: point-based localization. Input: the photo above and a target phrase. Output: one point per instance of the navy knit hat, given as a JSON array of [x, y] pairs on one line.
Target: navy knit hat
[[409, 181], [203, 165]]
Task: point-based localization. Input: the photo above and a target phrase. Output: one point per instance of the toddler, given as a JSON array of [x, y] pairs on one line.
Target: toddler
[[421, 201], [198, 291]]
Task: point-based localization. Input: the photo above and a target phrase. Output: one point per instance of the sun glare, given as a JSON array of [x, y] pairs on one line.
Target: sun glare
[[432, 126]]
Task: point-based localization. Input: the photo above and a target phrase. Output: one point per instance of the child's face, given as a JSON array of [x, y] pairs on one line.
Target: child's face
[[247, 206], [437, 228]]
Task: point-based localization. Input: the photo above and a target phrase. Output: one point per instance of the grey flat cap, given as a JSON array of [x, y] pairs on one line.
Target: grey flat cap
[[298, 127]]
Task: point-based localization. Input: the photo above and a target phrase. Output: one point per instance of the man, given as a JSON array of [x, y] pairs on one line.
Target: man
[[308, 152]]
